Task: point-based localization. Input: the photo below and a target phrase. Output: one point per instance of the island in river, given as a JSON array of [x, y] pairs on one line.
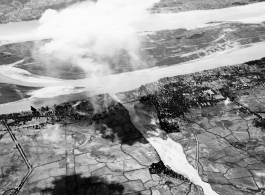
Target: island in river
[[195, 126]]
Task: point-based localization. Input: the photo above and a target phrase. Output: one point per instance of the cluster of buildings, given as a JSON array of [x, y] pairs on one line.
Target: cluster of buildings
[[176, 95], [83, 110]]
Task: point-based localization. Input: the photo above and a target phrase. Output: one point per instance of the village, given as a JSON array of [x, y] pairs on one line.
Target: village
[[175, 100]]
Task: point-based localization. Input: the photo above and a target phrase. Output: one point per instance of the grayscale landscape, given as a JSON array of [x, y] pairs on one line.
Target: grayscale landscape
[[132, 97]]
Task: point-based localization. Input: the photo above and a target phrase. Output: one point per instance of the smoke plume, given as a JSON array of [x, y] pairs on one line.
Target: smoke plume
[[52, 133], [91, 34]]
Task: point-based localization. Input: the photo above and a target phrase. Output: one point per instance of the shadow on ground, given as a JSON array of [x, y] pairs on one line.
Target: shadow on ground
[[119, 124], [77, 185]]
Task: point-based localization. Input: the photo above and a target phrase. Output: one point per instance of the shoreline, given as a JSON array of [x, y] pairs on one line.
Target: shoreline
[[128, 81], [220, 56], [251, 13], [26, 31]]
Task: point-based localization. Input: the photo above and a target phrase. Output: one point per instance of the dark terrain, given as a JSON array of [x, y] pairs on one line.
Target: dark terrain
[[217, 116], [168, 47], [25, 10]]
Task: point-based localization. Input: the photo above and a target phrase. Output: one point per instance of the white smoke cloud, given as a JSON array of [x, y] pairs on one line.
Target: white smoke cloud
[[52, 133], [88, 34]]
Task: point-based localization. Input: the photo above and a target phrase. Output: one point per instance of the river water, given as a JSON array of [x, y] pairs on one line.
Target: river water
[[24, 31], [125, 81], [170, 152], [253, 13]]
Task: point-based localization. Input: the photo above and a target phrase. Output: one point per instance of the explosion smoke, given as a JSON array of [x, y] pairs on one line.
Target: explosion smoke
[[52, 133], [90, 34]]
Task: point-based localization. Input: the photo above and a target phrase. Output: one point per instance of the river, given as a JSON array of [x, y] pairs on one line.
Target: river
[[25, 31], [125, 81], [170, 152], [253, 13]]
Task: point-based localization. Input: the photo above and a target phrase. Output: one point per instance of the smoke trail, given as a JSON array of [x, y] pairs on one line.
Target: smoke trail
[[93, 34]]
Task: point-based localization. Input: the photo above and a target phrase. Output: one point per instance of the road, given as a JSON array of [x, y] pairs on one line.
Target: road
[[23, 155]]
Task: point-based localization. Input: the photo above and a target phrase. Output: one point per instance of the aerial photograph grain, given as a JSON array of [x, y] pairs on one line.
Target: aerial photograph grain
[[132, 97]]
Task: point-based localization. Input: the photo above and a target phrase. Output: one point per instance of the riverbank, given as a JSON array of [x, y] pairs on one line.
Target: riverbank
[[129, 81], [169, 151], [253, 13]]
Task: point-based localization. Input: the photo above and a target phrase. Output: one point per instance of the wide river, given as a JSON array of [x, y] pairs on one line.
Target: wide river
[[23, 31], [253, 13], [125, 81], [112, 84]]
